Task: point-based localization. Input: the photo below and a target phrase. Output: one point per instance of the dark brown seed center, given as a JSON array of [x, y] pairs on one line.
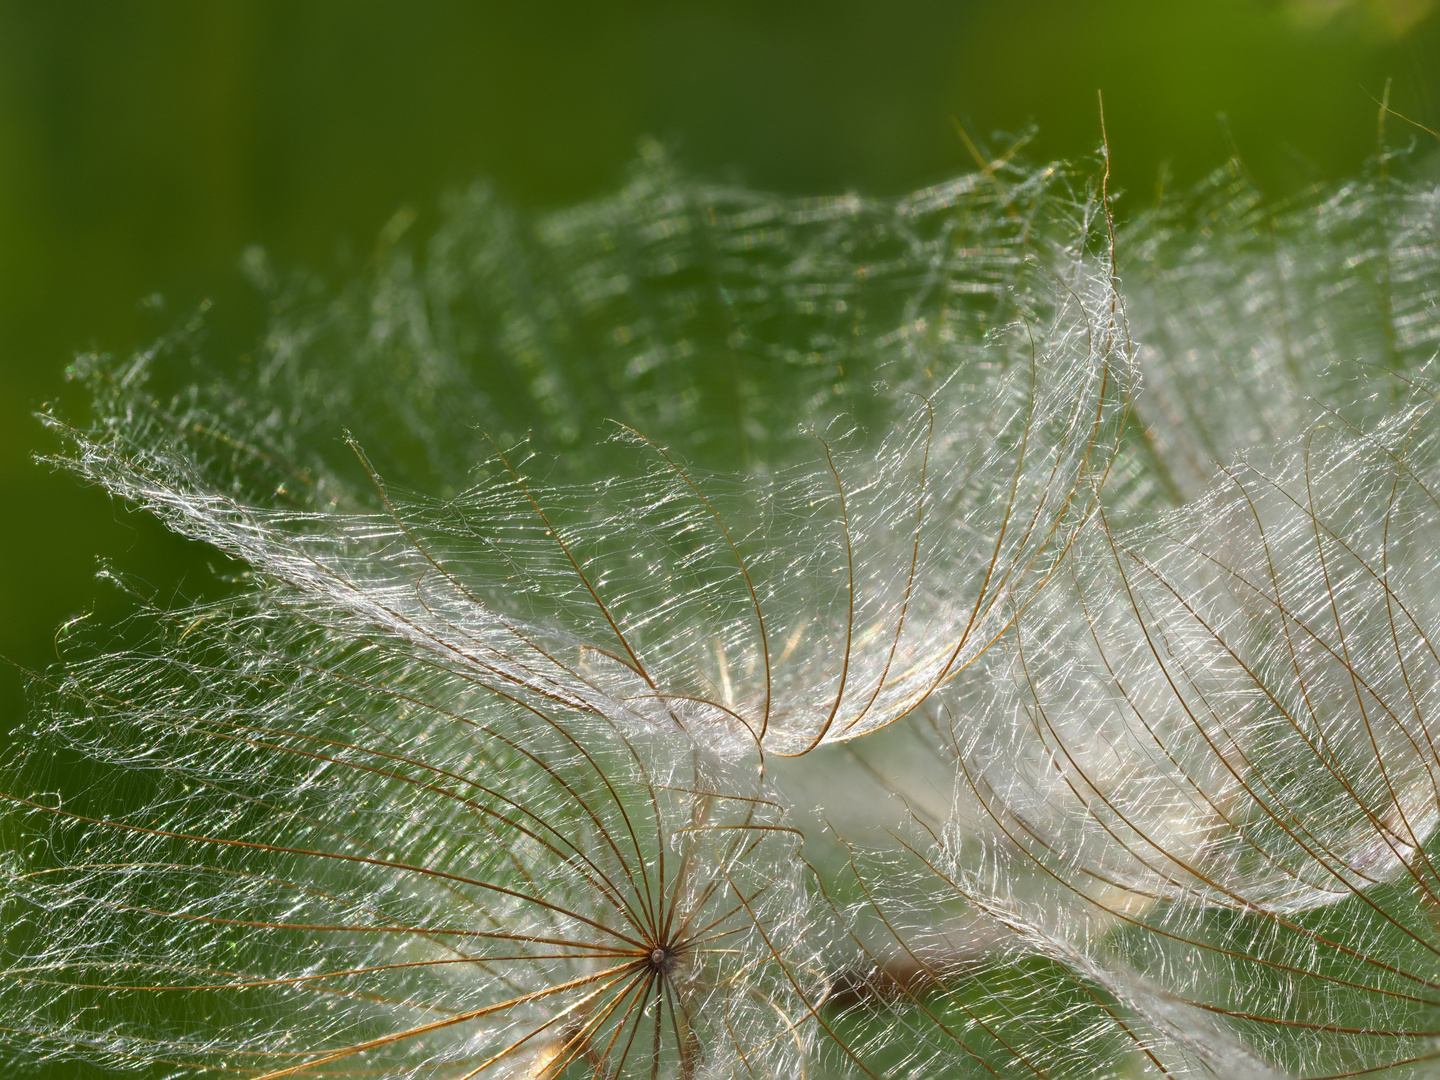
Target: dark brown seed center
[[657, 956]]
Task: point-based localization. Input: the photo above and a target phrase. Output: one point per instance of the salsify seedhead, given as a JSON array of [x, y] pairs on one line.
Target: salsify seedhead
[[1210, 760], [994, 718], [346, 850]]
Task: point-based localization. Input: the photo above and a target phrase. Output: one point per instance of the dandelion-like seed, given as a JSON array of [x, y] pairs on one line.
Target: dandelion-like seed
[[481, 879], [505, 764]]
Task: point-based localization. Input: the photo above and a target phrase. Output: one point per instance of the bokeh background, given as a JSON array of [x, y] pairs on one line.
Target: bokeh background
[[143, 146]]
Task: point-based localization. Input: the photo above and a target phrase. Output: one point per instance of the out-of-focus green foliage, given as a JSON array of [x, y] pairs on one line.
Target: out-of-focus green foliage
[[144, 147]]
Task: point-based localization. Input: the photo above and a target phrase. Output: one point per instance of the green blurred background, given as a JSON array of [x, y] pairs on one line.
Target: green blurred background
[[144, 145]]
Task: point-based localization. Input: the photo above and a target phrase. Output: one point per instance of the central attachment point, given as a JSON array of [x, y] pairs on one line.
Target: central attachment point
[[657, 957]]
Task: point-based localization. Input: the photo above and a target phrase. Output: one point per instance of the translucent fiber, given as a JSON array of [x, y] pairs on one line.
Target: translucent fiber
[[700, 633]]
